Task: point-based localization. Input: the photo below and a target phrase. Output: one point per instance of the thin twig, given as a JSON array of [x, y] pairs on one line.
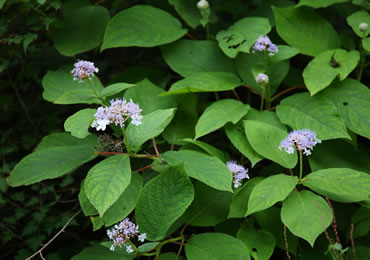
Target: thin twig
[[352, 241], [254, 90], [109, 153], [54, 237], [143, 168], [286, 243], [287, 90], [191, 36], [333, 223], [155, 147], [236, 94]]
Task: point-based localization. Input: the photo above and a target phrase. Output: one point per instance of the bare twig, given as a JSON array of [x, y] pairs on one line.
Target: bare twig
[[39, 252], [254, 90], [155, 147], [333, 223], [144, 168], [286, 243], [352, 241], [287, 90], [236, 95]]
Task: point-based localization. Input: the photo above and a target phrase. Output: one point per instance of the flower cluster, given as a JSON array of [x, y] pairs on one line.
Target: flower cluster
[[83, 69], [262, 79], [118, 113], [301, 140], [239, 173], [264, 43], [123, 232]]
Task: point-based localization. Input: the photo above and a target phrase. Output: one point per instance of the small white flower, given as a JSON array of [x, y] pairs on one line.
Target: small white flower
[[203, 4], [142, 237], [129, 249], [363, 27]]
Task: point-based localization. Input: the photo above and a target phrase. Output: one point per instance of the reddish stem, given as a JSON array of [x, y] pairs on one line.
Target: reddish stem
[[236, 95], [287, 90], [352, 241], [192, 37], [144, 168], [109, 153], [254, 90]]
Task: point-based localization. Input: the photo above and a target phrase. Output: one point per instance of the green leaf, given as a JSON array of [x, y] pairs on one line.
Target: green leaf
[[143, 26], [162, 201], [306, 215], [211, 150], [339, 154], [236, 135], [83, 30], [316, 113], [115, 89], [59, 87], [65, 139], [269, 191], [2, 2], [242, 35], [340, 184], [319, 3], [239, 203], [107, 180], [218, 114], [151, 126], [148, 246], [267, 117], [260, 243], [285, 52], [206, 82], [191, 57], [216, 246], [86, 206], [209, 207], [326, 66], [207, 169], [265, 140], [78, 123], [51, 162], [147, 95], [352, 100], [366, 44], [188, 11], [355, 19], [123, 206], [303, 29], [99, 253]]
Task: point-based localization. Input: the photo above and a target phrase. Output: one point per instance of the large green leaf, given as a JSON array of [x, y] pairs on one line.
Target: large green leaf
[[60, 88], [355, 19], [265, 140], [207, 169], [236, 135], [265, 116], [52, 161], [65, 139], [162, 201], [303, 29], [306, 215], [188, 11], [78, 123], [87, 208], [107, 180], [315, 113], [211, 150], [340, 184], [269, 191], [326, 66], [151, 126], [206, 82], [83, 30], [242, 35], [320, 3], [191, 57], [209, 208], [141, 25], [98, 252], [366, 44], [115, 89], [285, 52], [216, 246], [218, 114], [260, 243], [352, 100]]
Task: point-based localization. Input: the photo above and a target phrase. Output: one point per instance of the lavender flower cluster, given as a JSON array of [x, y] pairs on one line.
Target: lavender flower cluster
[[123, 232], [264, 43], [83, 69], [239, 173], [118, 113], [301, 140], [262, 79]]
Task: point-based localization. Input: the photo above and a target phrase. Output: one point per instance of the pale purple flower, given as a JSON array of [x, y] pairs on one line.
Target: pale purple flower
[[83, 69], [239, 173], [264, 43], [262, 79], [117, 113], [123, 232], [301, 140]]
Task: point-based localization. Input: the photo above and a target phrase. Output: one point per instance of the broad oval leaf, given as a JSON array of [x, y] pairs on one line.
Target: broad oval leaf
[[216, 246], [306, 215], [52, 161], [207, 169], [265, 140], [188, 11], [151, 126], [355, 19], [269, 191], [316, 113], [339, 184], [206, 82], [218, 114], [211, 150], [78, 123], [191, 57], [366, 44], [319, 3], [107, 180], [141, 25], [162, 201], [83, 30], [100, 252], [115, 89], [303, 28]]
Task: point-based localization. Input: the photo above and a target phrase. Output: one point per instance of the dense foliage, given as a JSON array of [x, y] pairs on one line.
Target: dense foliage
[[185, 129]]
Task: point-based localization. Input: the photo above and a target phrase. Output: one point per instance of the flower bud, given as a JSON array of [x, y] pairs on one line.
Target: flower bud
[[363, 27], [203, 4], [262, 79]]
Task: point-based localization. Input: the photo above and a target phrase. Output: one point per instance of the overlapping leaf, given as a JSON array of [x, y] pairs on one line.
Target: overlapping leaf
[[78, 123]]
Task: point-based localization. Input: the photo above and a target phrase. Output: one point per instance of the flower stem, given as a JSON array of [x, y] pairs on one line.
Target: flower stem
[[262, 97], [133, 246], [125, 141], [95, 93], [159, 247], [300, 165]]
